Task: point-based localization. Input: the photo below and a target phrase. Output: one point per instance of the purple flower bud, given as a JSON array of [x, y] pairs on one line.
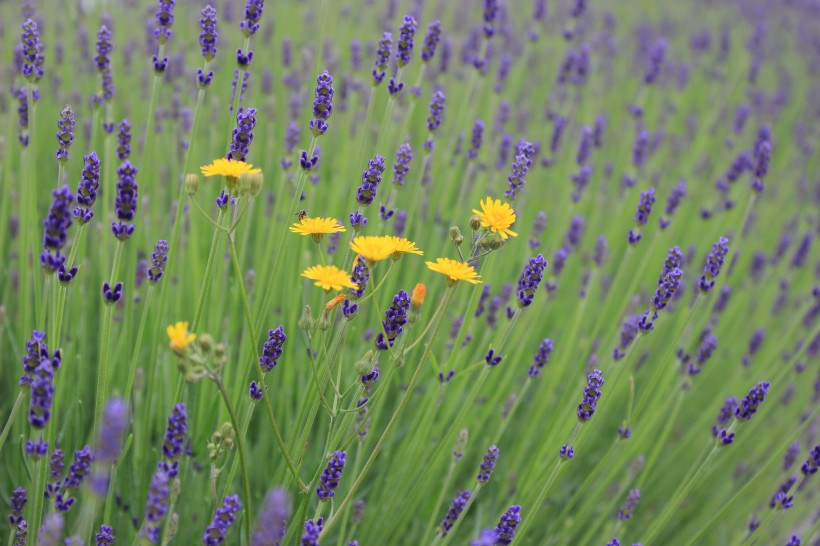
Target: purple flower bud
[[55, 229], [507, 525], [402, 164], [312, 531], [752, 401], [272, 349], [106, 536], [455, 510], [242, 134], [360, 276], [65, 134], [490, 15], [329, 480], [395, 318], [404, 49], [714, 263], [653, 65], [208, 36], [223, 516], [431, 40], [124, 140], [371, 178], [530, 279], [382, 58], [630, 504], [488, 464], [253, 14], [270, 526], [87, 189], [592, 393], [542, 357], [436, 111]]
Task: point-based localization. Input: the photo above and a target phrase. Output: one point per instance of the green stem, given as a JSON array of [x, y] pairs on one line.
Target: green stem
[[132, 368], [10, 421], [105, 347], [209, 266]]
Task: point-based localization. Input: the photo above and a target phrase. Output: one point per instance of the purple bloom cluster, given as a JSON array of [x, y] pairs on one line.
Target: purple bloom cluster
[[530, 279], [812, 464], [592, 393], [103, 62], [65, 134], [55, 230], [668, 283], [312, 531], [208, 36], [270, 529], [18, 502], [32, 52], [656, 57], [158, 260], [174, 441], [253, 14], [222, 520], [156, 506], [360, 276], [106, 536], [630, 504], [125, 201], [436, 111], [322, 103], [714, 262], [371, 178], [165, 20], [404, 49], [242, 134], [505, 530], [761, 156], [752, 401], [456, 508], [476, 140], [431, 39], [490, 15], [642, 214], [395, 318], [87, 189], [124, 140], [115, 421], [382, 58], [542, 357], [272, 349], [725, 415], [329, 480], [629, 331], [708, 344], [488, 465], [78, 471], [520, 166], [402, 164]]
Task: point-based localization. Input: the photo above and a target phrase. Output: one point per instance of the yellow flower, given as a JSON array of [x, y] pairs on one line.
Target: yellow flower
[[497, 216], [329, 277], [228, 168], [404, 246], [454, 270], [373, 249], [179, 335], [317, 226]]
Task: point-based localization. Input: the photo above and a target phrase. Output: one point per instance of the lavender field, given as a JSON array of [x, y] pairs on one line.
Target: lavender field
[[410, 272]]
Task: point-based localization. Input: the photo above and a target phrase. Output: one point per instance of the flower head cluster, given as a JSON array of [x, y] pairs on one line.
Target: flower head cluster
[[65, 134], [242, 134], [125, 201], [87, 189], [124, 140], [431, 40], [395, 318], [382, 58], [454, 270], [488, 465], [490, 15], [592, 393], [165, 20], [642, 214], [329, 479], [55, 229], [719, 430], [106, 536], [103, 61], [270, 527], [158, 260], [18, 502], [32, 52], [208, 35], [402, 164], [404, 49], [156, 506], [174, 441], [115, 421], [656, 57], [253, 14], [371, 178], [361, 274], [436, 111], [477, 139], [505, 530], [752, 401], [456, 508], [312, 532], [812, 464], [78, 471], [672, 203], [520, 166], [322, 103], [222, 521], [761, 154], [496, 216], [714, 263], [530, 279], [272, 349], [542, 357], [630, 504]]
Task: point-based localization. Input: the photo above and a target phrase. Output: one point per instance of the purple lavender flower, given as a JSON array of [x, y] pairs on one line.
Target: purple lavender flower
[[42, 394], [156, 506], [158, 260], [456, 508], [106, 536], [103, 62], [672, 203], [542, 357], [490, 15], [55, 230], [761, 156], [507, 525], [223, 518], [752, 401], [114, 424], [270, 526], [754, 346], [173, 444], [629, 331], [65, 134], [125, 201], [272, 349], [520, 167], [708, 344], [725, 415], [395, 318], [402, 164], [436, 111], [592, 393], [653, 65], [371, 178], [714, 263], [794, 541], [792, 452], [812, 464], [87, 189], [165, 20], [476, 140], [124, 140], [584, 145], [630, 504], [36, 448], [382, 58], [242, 134], [18, 501], [208, 36], [322, 103], [32, 52], [667, 286], [52, 530], [253, 14], [357, 220], [78, 471], [312, 531], [360, 276], [800, 256], [431, 39], [488, 465], [404, 49], [329, 480], [530, 279]]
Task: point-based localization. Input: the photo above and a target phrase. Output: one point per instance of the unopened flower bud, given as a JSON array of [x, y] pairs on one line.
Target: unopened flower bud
[[364, 365], [475, 222], [460, 445], [191, 183], [206, 343], [306, 321], [455, 233]]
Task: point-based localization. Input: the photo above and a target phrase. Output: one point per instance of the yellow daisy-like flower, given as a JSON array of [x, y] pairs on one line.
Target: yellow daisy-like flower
[[497, 216], [228, 168], [317, 226], [454, 270], [404, 246], [329, 277], [180, 336], [373, 249]]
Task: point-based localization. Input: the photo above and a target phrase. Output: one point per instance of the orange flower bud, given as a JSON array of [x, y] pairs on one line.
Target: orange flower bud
[[334, 302], [417, 300]]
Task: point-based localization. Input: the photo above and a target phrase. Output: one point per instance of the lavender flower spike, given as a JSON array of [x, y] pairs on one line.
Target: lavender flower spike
[[273, 348], [488, 465], [270, 527], [126, 201], [752, 401], [312, 531], [158, 259], [642, 214], [382, 59], [329, 480], [208, 37], [592, 393], [395, 318], [542, 357], [221, 522], [507, 525], [431, 40], [404, 48], [65, 134], [714, 262], [87, 189], [530, 279], [456, 508]]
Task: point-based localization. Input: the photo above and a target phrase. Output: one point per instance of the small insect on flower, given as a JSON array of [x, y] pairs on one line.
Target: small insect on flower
[[454, 270], [180, 336], [228, 168], [316, 227], [329, 277], [301, 215], [497, 216]]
